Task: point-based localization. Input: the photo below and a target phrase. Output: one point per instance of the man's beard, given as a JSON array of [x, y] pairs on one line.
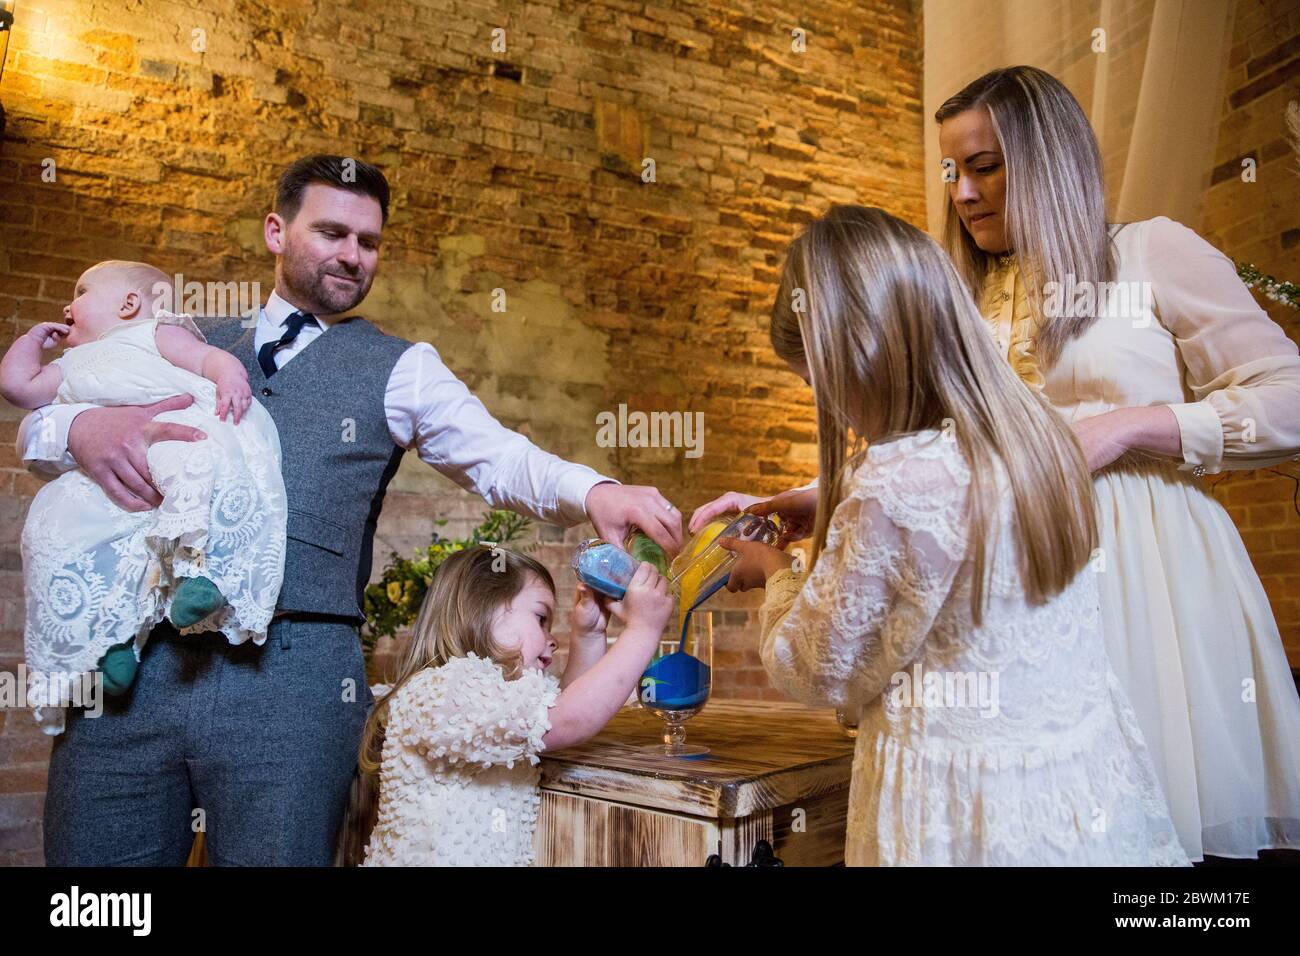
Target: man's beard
[[309, 285]]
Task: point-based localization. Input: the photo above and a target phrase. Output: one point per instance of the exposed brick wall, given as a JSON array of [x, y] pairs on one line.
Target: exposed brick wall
[[1259, 222], [517, 170]]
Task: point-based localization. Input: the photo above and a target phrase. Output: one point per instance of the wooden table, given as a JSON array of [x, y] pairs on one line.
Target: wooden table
[[776, 771]]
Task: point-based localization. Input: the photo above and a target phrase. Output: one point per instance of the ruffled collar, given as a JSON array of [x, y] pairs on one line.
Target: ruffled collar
[[1006, 309]]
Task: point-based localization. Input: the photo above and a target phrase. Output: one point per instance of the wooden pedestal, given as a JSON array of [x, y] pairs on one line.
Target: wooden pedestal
[[776, 771]]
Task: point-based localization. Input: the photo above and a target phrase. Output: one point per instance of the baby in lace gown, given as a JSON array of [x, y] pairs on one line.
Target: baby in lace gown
[[460, 731], [209, 558]]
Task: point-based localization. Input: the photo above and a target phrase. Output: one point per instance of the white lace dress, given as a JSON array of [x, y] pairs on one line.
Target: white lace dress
[[458, 779], [96, 575], [1007, 744]]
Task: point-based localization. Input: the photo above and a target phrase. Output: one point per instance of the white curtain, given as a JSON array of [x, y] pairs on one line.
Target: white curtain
[[1153, 94]]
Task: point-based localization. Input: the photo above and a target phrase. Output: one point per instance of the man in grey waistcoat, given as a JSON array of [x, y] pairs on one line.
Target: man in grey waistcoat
[[256, 745]]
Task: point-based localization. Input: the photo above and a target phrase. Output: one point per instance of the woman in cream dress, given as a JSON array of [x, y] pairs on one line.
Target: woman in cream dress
[[1176, 375], [1179, 374]]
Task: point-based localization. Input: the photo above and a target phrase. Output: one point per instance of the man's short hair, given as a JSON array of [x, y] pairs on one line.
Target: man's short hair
[[340, 172]]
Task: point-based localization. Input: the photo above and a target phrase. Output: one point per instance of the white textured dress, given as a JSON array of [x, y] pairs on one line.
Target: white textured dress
[[1007, 744], [1187, 623], [458, 777], [96, 575]]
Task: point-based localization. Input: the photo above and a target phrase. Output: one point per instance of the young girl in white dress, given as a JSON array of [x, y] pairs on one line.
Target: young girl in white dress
[[950, 602], [1172, 373], [455, 739], [209, 558]]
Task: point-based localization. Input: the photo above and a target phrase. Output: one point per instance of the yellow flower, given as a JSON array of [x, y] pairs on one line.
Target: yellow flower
[[394, 591]]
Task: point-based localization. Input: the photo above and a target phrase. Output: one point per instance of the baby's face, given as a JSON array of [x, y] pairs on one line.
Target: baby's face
[[100, 299], [525, 624]]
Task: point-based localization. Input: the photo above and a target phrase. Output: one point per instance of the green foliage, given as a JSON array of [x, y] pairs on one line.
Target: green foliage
[[1269, 287], [393, 602]]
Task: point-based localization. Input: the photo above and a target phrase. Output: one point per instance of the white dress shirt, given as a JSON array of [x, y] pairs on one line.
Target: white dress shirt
[[428, 409]]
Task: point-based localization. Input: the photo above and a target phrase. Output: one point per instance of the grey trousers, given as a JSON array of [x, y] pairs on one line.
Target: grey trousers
[[262, 740]]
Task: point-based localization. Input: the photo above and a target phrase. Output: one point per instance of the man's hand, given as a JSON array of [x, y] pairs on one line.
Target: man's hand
[[615, 508], [755, 563], [112, 444]]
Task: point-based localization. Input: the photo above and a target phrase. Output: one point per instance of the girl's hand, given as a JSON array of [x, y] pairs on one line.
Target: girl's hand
[[49, 334], [798, 511], [590, 614], [755, 563], [233, 395], [647, 604], [731, 501]]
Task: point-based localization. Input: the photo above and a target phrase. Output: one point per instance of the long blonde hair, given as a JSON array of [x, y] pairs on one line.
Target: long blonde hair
[[1055, 197], [894, 344], [456, 618]]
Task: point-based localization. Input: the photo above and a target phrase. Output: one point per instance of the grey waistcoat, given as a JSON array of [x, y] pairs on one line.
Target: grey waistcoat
[[337, 455]]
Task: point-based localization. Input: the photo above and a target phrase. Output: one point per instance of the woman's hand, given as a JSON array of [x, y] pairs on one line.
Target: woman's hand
[[590, 614], [1150, 428], [755, 563], [1103, 437]]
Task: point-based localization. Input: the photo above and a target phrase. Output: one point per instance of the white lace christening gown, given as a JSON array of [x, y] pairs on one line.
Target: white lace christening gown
[[458, 779], [96, 575], [1007, 744]]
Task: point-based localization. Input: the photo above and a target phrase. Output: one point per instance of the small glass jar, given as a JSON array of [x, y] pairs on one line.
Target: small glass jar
[[704, 565], [603, 567], [643, 548]]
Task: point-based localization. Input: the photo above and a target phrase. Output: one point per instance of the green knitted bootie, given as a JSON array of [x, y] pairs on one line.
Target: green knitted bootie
[[118, 666], [195, 599]]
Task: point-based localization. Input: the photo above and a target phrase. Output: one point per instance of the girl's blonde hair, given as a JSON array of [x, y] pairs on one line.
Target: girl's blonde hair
[[894, 344], [468, 590], [1055, 196]]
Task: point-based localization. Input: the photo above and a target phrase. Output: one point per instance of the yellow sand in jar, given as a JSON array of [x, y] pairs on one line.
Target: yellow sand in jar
[[690, 582]]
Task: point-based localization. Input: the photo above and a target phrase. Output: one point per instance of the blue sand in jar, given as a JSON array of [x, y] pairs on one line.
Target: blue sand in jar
[[598, 582], [683, 681], [606, 569]]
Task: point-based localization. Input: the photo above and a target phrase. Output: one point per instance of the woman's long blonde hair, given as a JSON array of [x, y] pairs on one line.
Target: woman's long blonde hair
[[894, 344], [1055, 197], [456, 618]]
